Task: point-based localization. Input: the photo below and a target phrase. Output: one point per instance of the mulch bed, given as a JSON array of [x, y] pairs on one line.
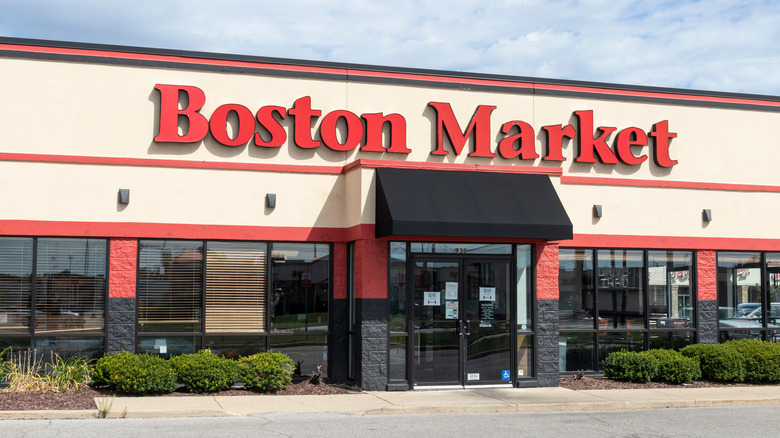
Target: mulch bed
[[604, 383], [85, 398]]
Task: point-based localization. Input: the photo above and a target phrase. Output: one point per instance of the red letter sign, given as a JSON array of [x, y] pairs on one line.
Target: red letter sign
[[588, 145], [627, 138], [246, 124], [447, 124], [662, 138], [303, 114], [354, 130], [525, 138], [170, 112]]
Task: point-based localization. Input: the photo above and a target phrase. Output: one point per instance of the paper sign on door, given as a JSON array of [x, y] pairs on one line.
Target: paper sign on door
[[451, 292], [431, 298], [487, 294], [451, 309]]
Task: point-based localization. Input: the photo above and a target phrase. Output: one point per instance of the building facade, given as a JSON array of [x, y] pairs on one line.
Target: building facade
[[394, 228]]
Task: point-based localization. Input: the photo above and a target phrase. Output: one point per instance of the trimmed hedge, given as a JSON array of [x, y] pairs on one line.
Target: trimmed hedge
[[135, 374], [719, 362], [630, 366], [267, 371], [673, 367], [762, 359], [204, 371]]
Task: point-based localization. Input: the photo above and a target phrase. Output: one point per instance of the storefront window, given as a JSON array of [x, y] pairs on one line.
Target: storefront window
[[741, 295], [398, 303], [621, 289], [610, 342], [170, 287], [576, 351], [669, 289], [299, 306], [607, 309], [301, 277], [187, 301], [16, 270], [575, 281], [64, 310]]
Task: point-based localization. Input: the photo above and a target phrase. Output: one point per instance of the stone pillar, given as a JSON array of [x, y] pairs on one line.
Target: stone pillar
[[707, 290], [547, 322], [121, 309], [371, 314]]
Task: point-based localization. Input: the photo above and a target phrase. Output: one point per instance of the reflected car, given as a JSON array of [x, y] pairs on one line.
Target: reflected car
[[746, 309], [739, 327]]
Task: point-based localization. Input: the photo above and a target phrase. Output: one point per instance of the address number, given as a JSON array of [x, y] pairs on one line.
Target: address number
[[460, 250]]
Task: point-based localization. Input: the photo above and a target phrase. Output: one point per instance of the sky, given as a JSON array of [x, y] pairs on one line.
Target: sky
[[718, 45]]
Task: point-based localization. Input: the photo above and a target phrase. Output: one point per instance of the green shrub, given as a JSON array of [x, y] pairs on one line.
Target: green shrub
[[135, 373], [762, 359], [718, 362], [674, 368], [204, 371], [266, 371], [630, 366]]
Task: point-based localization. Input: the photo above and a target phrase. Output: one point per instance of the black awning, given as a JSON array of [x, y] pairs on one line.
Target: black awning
[[412, 202]]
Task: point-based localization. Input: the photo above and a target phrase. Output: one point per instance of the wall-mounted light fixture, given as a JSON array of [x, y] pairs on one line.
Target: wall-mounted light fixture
[[124, 196], [597, 210], [706, 214], [270, 200]]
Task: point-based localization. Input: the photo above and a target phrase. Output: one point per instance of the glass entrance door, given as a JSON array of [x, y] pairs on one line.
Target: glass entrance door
[[461, 321]]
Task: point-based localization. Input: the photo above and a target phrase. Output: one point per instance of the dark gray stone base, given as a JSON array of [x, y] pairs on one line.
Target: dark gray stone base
[[120, 327], [371, 349], [707, 322], [339, 341], [547, 367]]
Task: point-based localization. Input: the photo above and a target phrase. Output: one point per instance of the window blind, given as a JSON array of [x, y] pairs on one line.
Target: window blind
[[236, 287], [170, 290], [15, 284]]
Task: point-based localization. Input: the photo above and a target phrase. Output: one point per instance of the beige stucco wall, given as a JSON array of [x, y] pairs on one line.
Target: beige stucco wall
[[90, 109]]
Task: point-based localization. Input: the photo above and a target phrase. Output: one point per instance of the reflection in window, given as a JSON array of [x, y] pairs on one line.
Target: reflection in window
[[301, 277], [575, 282], [669, 289], [625, 316], [70, 286], [621, 289], [398, 303], [739, 295]]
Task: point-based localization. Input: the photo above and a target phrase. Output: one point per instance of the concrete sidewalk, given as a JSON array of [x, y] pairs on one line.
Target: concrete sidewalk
[[472, 400]]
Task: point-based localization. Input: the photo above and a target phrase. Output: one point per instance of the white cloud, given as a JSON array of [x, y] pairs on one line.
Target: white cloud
[[715, 44]]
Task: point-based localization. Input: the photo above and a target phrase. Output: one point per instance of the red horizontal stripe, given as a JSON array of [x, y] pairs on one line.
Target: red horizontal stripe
[[269, 167], [588, 180], [145, 230], [169, 58], [187, 164], [431, 77], [658, 95], [451, 166], [672, 242]]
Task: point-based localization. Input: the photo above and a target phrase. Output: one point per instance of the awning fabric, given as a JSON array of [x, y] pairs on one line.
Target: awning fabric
[[414, 202]]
